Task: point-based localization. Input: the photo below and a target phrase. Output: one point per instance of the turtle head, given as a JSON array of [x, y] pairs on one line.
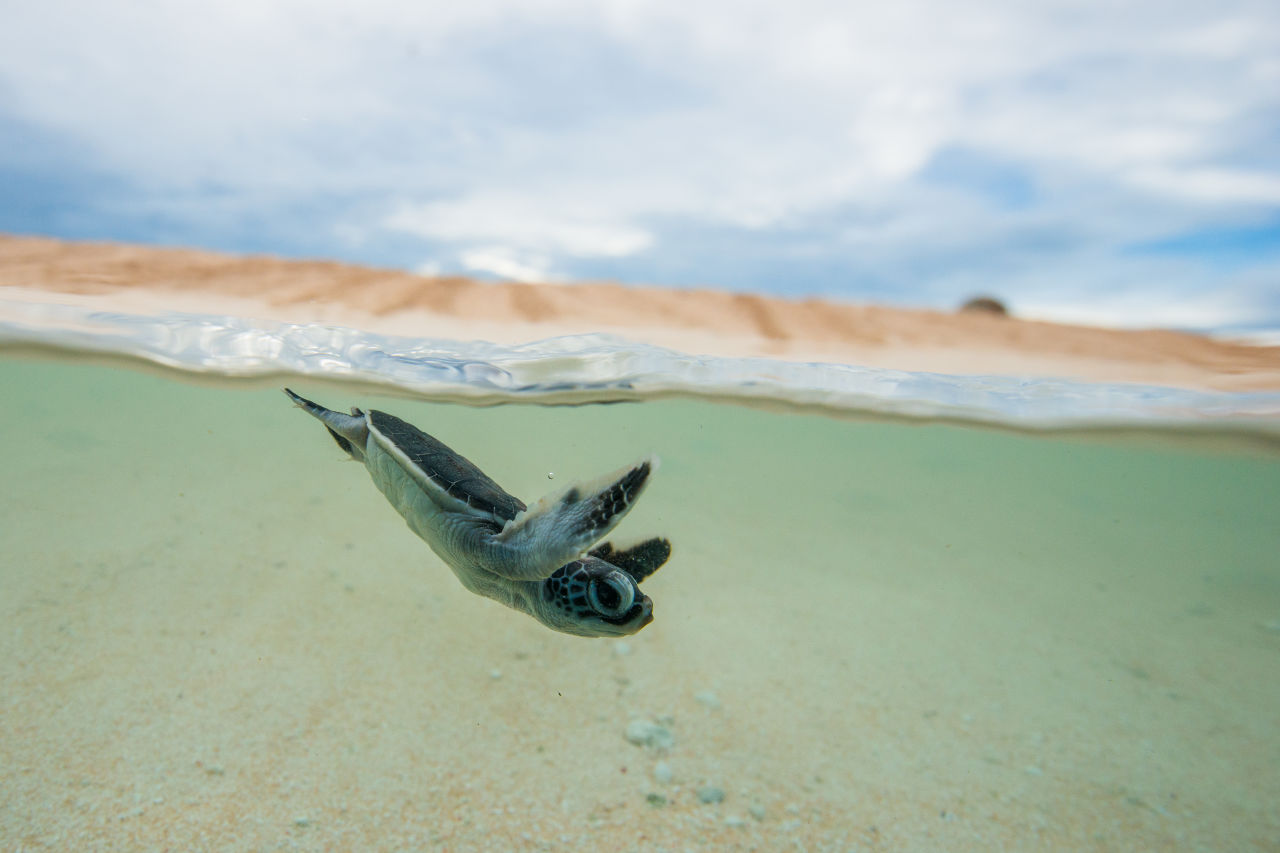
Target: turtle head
[[592, 598]]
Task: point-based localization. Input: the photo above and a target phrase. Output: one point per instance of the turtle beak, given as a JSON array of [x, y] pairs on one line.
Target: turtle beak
[[646, 612]]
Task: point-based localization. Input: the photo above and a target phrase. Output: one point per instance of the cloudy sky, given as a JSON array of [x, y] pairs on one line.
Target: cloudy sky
[[1114, 162]]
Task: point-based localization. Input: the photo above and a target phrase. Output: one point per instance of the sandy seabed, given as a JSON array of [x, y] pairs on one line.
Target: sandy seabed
[[216, 635]]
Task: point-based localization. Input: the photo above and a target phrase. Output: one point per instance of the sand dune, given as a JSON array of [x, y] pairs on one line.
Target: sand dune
[[697, 320]]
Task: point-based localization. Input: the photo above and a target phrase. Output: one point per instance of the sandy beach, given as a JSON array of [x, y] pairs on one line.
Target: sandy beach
[[143, 279]]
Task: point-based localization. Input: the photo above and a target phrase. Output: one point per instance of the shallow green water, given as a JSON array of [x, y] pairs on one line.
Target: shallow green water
[[216, 635]]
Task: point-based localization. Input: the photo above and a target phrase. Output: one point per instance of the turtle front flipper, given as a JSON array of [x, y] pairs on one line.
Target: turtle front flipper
[[559, 528], [640, 561]]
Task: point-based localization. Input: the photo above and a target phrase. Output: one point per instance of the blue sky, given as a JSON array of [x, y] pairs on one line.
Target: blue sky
[[1114, 163]]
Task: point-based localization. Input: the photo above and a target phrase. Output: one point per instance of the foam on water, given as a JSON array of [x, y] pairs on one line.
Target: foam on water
[[603, 368]]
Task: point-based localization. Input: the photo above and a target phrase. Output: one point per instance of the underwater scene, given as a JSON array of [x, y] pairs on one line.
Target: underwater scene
[[901, 611]]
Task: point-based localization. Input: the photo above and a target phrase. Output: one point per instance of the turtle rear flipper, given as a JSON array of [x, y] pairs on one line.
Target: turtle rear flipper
[[559, 528], [349, 431]]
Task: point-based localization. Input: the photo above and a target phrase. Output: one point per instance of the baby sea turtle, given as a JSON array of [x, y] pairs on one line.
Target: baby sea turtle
[[533, 559]]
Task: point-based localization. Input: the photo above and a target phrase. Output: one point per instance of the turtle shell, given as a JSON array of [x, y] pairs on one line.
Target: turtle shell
[[433, 462]]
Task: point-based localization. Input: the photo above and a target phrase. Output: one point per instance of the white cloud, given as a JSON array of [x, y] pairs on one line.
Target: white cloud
[[524, 222], [508, 263], [1215, 186]]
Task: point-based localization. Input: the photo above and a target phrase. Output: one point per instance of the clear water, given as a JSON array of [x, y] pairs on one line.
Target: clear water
[[873, 634]]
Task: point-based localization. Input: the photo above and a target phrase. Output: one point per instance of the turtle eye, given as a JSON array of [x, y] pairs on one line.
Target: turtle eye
[[610, 595]]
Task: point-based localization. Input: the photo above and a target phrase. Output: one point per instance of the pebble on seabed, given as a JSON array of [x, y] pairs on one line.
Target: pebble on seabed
[[708, 698], [643, 732], [711, 794], [622, 648], [662, 773]]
